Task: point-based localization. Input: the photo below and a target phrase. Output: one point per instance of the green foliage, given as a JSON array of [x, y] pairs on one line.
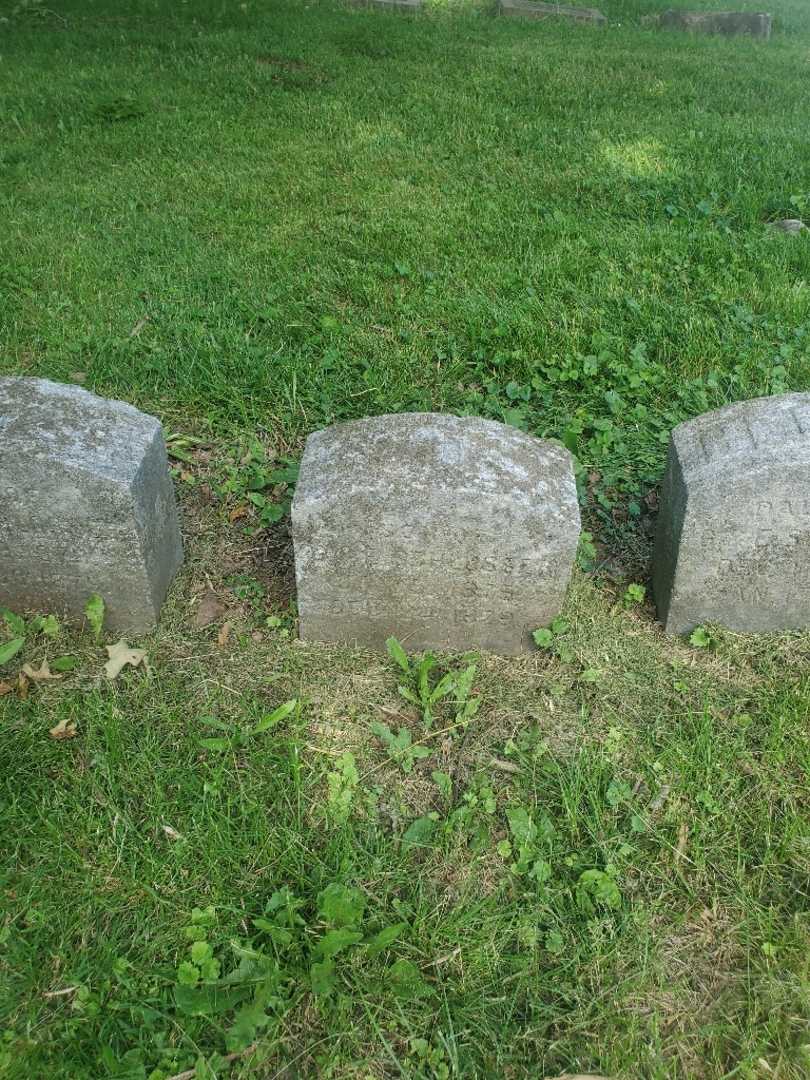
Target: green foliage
[[400, 747], [634, 594], [424, 689], [10, 649], [554, 638], [268, 486], [238, 736], [342, 784], [597, 888], [94, 611], [701, 638]]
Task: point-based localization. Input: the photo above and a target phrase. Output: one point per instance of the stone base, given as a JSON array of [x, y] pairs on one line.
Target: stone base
[[526, 9]]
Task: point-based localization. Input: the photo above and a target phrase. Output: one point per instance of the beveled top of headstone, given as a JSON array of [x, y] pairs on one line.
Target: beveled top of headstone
[[40, 420], [424, 450], [748, 434]]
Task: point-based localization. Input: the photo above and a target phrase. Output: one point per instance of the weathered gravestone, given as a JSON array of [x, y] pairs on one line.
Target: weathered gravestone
[[527, 9], [391, 5], [86, 505], [729, 23], [733, 543], [449, 533]]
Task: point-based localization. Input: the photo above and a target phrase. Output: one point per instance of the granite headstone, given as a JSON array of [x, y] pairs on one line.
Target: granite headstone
[[450, 533], [86, 505], [733, 542]]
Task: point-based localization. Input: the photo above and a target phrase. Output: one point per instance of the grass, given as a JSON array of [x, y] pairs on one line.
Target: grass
[[258, 220]]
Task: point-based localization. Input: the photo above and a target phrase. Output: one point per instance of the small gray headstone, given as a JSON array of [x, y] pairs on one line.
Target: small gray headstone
[[733, 543], [448, 533], [391, 5], [793, 226], [729, 23], [527, 9], [86, 505]]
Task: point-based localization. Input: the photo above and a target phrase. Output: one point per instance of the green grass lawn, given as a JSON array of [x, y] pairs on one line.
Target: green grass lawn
[[255, 220]]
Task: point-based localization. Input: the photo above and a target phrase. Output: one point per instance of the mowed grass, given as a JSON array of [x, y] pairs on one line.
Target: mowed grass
[[254, 221]]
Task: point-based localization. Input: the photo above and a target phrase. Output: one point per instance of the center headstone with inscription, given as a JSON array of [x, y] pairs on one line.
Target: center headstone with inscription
[[733, 544], [448, 532]]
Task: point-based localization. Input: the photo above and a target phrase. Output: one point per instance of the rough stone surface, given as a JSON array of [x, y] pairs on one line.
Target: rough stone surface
[[792, 226], [86, 505], [755, 24], [733, 543], [395, 5], [449, 533], [526, 9]]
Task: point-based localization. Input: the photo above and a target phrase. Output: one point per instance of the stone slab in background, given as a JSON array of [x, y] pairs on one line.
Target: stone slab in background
[[525, 9], [391, 5], [448, 533], [733, 542], [86, 505], [730, 23]]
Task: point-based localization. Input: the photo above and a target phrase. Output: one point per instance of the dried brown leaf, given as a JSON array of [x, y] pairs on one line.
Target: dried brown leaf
[[41, 674], [172, 834], [210, 610], [22, 686], [120, 656], [680, 847], [580, 1076], [5, 688], [65, 729], [224, 634]]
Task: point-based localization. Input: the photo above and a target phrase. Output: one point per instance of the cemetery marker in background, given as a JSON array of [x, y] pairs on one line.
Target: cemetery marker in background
[[86, 505], [733, 544], [449, 533], [525, 9], [729, 23]]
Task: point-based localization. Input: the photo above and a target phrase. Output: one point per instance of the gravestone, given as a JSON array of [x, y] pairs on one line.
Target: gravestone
[[729, 23], [391, 5], [733, 542], [86, 505], [448, 533], [526, 9]]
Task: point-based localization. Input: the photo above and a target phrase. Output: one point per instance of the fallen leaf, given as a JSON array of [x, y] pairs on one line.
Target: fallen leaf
[[580, 1076], [224, 634], [65, 729], [239, 512], [139, 325], [5, 688], [172, 834], [120, 656], [209, 611], [22, 686], [680, 847], [60, 993], [42, 674]]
